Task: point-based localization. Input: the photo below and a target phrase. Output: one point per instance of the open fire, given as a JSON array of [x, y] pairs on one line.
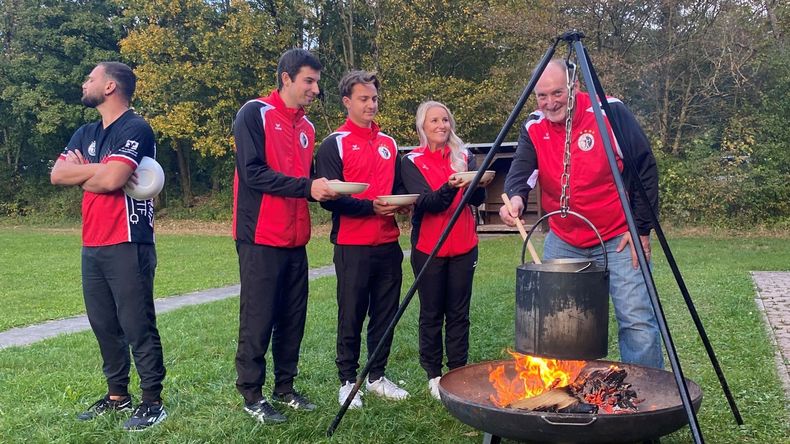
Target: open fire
[[562, 386]]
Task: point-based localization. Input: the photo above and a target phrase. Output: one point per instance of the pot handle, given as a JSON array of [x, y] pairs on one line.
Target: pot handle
[[574, 424], [553, 213]]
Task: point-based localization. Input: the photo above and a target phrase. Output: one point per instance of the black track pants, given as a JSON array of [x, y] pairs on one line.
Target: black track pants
[[118, 288], [445, 293], [273, 306], [368, 283]]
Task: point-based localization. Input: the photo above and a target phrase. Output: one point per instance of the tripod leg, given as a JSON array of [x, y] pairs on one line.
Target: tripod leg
[[629, 162], [655, 301]]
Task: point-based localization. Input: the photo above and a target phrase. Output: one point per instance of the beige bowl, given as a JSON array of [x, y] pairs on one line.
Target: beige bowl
[[488, 175], [399, 199], [348, 187]]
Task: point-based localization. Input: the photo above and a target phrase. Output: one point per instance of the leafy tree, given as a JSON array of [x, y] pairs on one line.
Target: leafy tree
[[706, 78], [47, 49], [197, 62], [433, 50]]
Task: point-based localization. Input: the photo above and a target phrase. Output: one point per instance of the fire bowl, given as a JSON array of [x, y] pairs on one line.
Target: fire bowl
[[466, 391]]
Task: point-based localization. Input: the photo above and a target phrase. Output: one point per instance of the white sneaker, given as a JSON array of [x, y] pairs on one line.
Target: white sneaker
[[387, 389], [433, 386], [345, 390]]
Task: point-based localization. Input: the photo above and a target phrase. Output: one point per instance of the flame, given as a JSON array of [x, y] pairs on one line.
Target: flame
[[533, 376]]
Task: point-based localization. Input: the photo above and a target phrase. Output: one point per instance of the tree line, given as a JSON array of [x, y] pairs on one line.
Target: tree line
[[707, 79]]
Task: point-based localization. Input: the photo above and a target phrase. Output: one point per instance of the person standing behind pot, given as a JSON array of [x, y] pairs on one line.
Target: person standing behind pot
[[445, 289], [271, 225], [541, 146], [367, 255]]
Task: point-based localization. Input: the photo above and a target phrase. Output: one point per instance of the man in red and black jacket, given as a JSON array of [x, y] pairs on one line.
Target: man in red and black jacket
[[367, 255], [118, 252], [593, 194], [271, 225]]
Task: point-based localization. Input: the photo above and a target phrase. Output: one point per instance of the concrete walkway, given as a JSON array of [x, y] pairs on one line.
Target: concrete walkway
[[20, 336], [773, 300]]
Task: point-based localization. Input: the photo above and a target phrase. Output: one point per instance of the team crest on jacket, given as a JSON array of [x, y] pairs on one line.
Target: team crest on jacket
[[92, 148], [384, 152], [586, 141], [303, 139]]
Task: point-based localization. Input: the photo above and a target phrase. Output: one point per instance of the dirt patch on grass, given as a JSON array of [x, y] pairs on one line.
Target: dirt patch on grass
[[199, 227], [719, 232], [76, 229], [163, 226], [213, 228], [166, 225], [223, 228]]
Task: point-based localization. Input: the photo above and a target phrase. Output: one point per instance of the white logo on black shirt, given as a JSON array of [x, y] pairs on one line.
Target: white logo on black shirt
[[140, 209], [92, 149], [131, 145], [129, 148]]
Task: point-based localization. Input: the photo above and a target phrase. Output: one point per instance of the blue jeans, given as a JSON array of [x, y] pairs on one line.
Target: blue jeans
[[638, 336]]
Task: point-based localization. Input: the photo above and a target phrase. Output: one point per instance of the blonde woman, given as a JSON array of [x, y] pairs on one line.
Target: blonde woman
[[445, 290]]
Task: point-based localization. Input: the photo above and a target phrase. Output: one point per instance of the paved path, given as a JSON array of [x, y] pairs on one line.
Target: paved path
[[773, 299], [38, 332]]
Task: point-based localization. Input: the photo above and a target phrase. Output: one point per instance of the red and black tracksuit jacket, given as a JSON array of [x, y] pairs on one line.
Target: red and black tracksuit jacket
[[541, 145], [367, 255], [356, 154], [446, 287], [274, 152], [271, 225], [425, 173]]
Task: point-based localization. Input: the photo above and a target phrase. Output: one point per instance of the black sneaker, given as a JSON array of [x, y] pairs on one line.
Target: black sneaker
[[264, 412], [104, 405], [294, 400], [146, 414]]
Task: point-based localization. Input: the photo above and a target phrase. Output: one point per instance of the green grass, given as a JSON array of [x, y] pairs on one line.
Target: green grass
[[45, 385], [41, 270]]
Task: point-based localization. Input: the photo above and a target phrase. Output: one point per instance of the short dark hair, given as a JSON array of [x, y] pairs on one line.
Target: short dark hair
[[356, 77], [124, 78], [292, 61]]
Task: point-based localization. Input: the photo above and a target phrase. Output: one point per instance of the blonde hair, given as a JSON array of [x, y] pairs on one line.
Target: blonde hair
[[457, 160]]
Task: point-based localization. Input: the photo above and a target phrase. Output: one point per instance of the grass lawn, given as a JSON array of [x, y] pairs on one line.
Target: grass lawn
[[41, 270], [45, 385]]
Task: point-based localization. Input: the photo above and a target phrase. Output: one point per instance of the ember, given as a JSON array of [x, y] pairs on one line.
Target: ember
[[606, 389], [551, 385]]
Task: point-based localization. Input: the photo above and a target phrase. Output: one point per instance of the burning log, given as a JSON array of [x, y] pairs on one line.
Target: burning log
[[600, 389], [560, 400]]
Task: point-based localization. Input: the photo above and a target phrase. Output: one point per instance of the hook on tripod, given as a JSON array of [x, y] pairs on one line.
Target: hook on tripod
[[572, 36]]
